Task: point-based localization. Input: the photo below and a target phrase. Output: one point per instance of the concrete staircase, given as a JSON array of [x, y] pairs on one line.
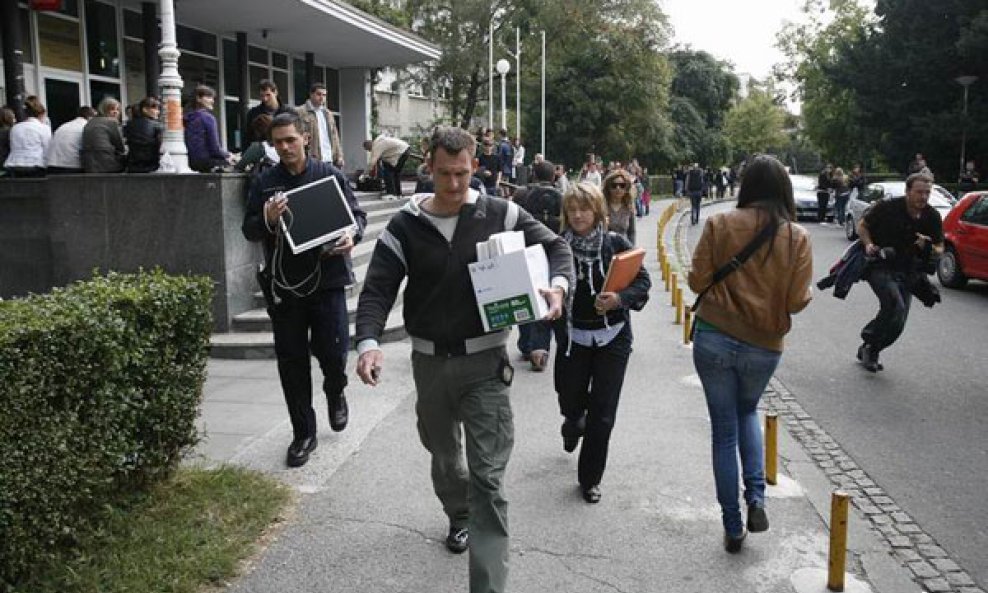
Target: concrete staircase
[[251, 337]]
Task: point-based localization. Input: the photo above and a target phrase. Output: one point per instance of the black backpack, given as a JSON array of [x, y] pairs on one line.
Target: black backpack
[[544, 203], [694, 180]]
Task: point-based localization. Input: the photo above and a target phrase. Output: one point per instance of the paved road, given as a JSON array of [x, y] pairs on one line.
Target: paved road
[[918, 427]]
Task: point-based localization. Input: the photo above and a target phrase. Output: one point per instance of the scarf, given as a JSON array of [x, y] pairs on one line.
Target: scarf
[[586, 253]]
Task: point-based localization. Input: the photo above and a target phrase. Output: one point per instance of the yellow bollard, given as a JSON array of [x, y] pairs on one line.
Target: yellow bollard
[[679, 305], [674, 284], [838, 541], [668, 277], [771, 448], [686, 326]]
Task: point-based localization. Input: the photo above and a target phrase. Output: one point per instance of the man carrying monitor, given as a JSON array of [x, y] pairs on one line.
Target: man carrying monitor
[[305, 292]]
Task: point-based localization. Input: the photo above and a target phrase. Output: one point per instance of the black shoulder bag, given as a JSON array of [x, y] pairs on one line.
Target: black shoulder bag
[[724, 271]]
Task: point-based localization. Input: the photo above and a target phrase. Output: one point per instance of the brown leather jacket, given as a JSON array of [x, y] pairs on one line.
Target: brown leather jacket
[[755, 302], [310, 124]]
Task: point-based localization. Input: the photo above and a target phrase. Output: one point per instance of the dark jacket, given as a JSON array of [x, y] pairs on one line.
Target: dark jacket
[[439, 302], [542, 201], [102, 146], [258, 110], [337, 270], [202, 137], [853, 266], [633, 297], [144, 144]]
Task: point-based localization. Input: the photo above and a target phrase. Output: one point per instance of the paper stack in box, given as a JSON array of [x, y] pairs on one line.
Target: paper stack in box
[[506, 280]]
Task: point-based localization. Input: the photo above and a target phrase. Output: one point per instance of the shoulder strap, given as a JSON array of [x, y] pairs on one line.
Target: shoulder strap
[[737, 261]]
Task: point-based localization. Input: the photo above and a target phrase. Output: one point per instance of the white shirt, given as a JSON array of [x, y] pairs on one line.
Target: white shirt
[[29, 141], [593, 177], [325, 142], [388, 150], [519, 156], [66, 145]]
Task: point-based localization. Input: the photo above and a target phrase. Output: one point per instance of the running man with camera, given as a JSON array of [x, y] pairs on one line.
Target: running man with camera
[[902, 236]]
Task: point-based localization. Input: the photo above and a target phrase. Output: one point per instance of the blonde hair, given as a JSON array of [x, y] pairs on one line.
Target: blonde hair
[[584, 195], [628, 200]]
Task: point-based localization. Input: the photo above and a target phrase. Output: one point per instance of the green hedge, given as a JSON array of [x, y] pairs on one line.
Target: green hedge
[[100, 385]]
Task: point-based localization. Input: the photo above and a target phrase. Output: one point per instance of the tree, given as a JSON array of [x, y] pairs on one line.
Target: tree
[[703, 89], [755, 123]]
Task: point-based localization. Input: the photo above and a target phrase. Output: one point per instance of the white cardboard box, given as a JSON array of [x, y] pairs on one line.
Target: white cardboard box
[[507, 287]]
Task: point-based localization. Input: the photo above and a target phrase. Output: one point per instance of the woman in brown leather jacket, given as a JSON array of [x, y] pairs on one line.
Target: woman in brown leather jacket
[[741, 323]]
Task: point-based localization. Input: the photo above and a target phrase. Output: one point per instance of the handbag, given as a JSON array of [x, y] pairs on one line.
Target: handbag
[[736, 262]]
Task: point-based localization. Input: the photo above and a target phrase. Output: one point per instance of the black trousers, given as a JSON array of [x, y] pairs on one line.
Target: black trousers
[[822, 199], [589, 382], [317, 324], [392, 175], [894, 298]]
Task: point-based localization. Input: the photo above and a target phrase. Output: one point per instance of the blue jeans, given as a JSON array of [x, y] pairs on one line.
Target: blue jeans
[[534, 336], [734, 375]]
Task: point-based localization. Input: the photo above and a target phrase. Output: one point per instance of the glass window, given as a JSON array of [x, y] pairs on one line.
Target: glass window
[[59, 42], [133, 24], [257, 74], [98, 90], [233, 134], [977, 213], [198, 70], [257, 54], [279, 60], [231, 71], [70, 8], [281, 80], [332, 89], [298, 77], [195, 40], [136, 70], [101, 39]]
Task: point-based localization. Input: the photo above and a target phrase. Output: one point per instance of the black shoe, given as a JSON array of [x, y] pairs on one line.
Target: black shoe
[[591, 494], [733, 544], [869, 358], [339, 412], [298, 451], [572, 431], [757, 519], [458, 540]]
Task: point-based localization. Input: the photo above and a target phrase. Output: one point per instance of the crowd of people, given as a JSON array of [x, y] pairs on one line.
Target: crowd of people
[[114, 139]]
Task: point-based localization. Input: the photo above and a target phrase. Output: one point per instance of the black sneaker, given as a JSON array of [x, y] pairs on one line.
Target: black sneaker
[[869, 358], [299, 450], [757, 519], [457, 540], [733, 544], [591, 494]]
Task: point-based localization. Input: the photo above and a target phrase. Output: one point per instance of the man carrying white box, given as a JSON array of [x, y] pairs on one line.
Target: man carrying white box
[[462, 374]]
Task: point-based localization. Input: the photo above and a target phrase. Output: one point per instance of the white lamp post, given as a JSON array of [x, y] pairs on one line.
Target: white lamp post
[[964, 81], [170, 83], [503, 66]]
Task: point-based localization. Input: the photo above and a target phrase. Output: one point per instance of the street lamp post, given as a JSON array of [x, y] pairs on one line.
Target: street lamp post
[[503, 66], [170, 83], [964, 81]]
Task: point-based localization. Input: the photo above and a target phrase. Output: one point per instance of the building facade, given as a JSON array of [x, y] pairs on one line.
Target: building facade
[[89, 49]]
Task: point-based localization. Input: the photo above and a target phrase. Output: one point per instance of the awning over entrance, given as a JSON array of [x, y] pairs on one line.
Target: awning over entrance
[[338, 34]]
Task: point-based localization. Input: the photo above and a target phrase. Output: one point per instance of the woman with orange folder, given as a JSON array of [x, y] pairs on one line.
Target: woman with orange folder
[[595, 335]]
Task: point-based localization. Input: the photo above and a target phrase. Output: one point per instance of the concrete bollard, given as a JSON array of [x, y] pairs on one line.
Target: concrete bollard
[[687, 324], [771, 448], [678, 298], [838, 541]]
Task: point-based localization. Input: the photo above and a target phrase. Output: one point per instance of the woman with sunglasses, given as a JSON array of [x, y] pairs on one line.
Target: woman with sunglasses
[[594, 339], [740, 326], [619, 195]]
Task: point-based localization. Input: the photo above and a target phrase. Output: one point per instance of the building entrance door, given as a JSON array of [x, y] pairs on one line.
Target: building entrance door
[[62, 100]]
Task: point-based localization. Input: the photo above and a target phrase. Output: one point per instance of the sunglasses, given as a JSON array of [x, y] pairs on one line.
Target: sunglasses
[[620, 185]]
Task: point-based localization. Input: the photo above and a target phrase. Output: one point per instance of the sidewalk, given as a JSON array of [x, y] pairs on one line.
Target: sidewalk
[[368, 520]]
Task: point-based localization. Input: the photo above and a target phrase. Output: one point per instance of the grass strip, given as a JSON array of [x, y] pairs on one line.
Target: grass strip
[[192, 530]]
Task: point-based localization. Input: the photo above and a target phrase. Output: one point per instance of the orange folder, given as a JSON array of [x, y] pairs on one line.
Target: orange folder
[[624, 268]]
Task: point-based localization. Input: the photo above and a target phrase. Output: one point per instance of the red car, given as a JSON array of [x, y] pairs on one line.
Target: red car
[[965, 230]]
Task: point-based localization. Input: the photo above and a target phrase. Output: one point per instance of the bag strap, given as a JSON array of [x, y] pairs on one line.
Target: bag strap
[[736, 262]]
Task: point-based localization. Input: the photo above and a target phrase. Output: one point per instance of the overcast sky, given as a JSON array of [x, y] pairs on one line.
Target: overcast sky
[[740, 32]]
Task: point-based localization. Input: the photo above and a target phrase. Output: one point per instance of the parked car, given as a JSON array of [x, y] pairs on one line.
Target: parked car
[[882, 190], [804, 192], [965, 231]]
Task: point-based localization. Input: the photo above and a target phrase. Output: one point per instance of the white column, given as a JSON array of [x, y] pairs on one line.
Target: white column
[[170, 83], [355, 115]]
